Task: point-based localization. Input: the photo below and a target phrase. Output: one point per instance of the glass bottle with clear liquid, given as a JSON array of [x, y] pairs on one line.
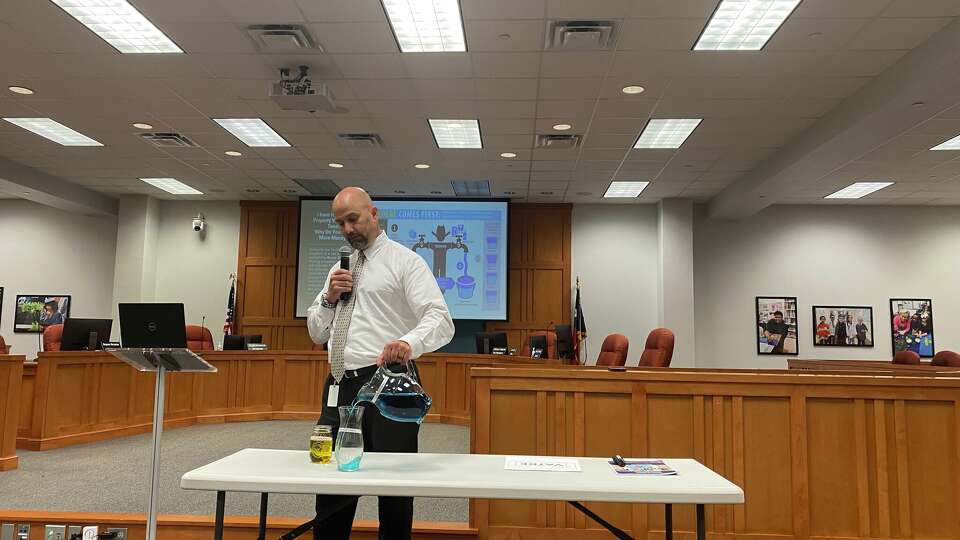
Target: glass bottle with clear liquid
[[349, 447]]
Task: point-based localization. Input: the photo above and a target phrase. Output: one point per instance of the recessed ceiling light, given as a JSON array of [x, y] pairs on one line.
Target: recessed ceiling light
[[119, 24], [335, 165], [422, 166], [233, 153], [508, 155], [562, 127], [426, 25], [744, 25], [857, 190], [666, 132], [456, 133], [22, 90], [140, 125], [952, 144], [471, 188], [633, 89], [53, 130], [252, 132], [171, 185], [504, 36], [625, 189]]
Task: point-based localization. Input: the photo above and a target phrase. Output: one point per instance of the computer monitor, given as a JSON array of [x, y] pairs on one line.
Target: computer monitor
[[538, 346], [77, 334], [153, 326], [487, 341], [564, 341], [239, 343]]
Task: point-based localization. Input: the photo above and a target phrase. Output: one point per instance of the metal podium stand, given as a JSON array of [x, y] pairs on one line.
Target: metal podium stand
[[160, 361]]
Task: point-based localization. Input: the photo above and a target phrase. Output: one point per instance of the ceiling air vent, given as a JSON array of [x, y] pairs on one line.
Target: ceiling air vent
[[558, 142], [360, 140], [281, 38], [318, 186], [167, 140], [580, 35]]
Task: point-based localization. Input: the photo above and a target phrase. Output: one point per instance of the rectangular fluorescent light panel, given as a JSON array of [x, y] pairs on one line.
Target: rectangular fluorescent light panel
[[857, 190], [456, 133], [426, 25], [744, 25], [172, 185], [625, 189], [952, 144], [253, 132], [53, 130], [119, 24], [471, 188], [666, 132]]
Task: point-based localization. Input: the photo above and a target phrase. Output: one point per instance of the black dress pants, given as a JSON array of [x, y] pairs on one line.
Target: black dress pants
[[335, 512]]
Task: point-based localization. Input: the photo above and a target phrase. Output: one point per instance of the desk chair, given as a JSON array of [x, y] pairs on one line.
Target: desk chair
[[942, 358], [199, 338], [658, 350], [906, 358], [613, 352], [549, 338], [52, 336]]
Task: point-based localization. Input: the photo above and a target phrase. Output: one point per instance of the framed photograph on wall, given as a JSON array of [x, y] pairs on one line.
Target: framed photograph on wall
[[843, 326], [911, 321], [776, 319], [34, 312]]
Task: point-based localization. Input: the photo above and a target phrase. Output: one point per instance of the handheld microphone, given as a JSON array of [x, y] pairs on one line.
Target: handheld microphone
[[345, 252]]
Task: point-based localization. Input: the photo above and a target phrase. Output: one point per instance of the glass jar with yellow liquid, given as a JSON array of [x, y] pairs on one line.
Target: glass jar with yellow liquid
[[321, 444]]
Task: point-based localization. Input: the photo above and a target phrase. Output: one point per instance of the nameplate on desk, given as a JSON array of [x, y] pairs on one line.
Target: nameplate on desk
[[541, 463], [498, 350], [111, 345]]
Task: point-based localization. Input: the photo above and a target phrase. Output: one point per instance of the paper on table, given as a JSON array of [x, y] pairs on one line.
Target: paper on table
[[541, 463]]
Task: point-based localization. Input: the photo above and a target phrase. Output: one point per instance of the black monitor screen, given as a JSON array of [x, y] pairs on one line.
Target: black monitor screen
[[487, 341], [155, 326], [76, 333]]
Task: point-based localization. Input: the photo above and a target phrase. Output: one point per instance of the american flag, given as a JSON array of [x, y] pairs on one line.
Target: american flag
[[579, 326], [228, 325]]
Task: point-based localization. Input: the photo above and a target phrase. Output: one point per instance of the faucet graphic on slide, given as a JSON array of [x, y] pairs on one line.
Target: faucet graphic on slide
[[465, 283]]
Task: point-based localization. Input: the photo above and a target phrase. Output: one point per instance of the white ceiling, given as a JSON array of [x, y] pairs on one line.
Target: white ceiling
[[753, 103]]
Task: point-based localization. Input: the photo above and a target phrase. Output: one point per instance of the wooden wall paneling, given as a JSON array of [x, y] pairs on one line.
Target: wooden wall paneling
[[27, 390], [11, 379]]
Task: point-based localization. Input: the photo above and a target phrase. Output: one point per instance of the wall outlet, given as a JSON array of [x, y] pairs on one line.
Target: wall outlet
[[121, 533], [6, 531], [55, 532], [74, 532]]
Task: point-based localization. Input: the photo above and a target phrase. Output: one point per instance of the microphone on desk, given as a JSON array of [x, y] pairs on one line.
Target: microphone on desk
[[345, 252], [203, 330]]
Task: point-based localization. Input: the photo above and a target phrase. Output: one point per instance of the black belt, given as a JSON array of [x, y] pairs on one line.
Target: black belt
[[353, 373]]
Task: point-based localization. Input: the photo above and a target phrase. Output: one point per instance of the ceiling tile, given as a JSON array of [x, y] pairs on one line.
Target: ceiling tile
[[585, 88], [260, 12], [502, 9], [832, 9], [799, 34], [923, 8], [593, 10], [437, 65], [355, 37], [506, 89], [342, 10], [888, 34], [659, 34], [575, 64], [506, 64], [370, 66], [522, 35]]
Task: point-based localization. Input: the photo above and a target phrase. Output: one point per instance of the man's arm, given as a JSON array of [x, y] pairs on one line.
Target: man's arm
[[435, 328], [320, 318]]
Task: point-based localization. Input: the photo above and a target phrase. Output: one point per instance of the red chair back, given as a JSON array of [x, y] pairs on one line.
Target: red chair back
[[613, 352], [551, 351], [52, 335], [658, 351], [946, 358], [199, 338], [906, 358]]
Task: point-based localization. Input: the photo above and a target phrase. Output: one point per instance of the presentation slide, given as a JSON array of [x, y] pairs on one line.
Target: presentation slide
[[463, 242]]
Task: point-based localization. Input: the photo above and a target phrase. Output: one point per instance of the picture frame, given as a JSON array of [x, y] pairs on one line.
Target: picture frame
[[34, 312], [783, 341], [827, 333], [913, 331]]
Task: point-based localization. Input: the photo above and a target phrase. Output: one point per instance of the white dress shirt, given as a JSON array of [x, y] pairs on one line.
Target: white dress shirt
[[397, 298]]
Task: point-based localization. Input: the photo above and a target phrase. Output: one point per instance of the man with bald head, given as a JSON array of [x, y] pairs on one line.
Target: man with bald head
[[394, 313]]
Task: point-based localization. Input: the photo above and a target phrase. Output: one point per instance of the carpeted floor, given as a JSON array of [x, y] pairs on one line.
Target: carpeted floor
[[113, 476]]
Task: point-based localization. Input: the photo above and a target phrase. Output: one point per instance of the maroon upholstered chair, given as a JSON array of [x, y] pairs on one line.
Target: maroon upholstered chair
[[658, 351], [199, 338], [613, 352], [906, 358], [52, 335], [946, 358], [4, 348], [551, 336]]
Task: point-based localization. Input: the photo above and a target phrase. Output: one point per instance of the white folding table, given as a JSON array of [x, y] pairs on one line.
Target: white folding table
[[461, 476]]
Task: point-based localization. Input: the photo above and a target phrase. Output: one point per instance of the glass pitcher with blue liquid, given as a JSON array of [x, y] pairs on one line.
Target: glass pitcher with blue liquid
[[398, 396]]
